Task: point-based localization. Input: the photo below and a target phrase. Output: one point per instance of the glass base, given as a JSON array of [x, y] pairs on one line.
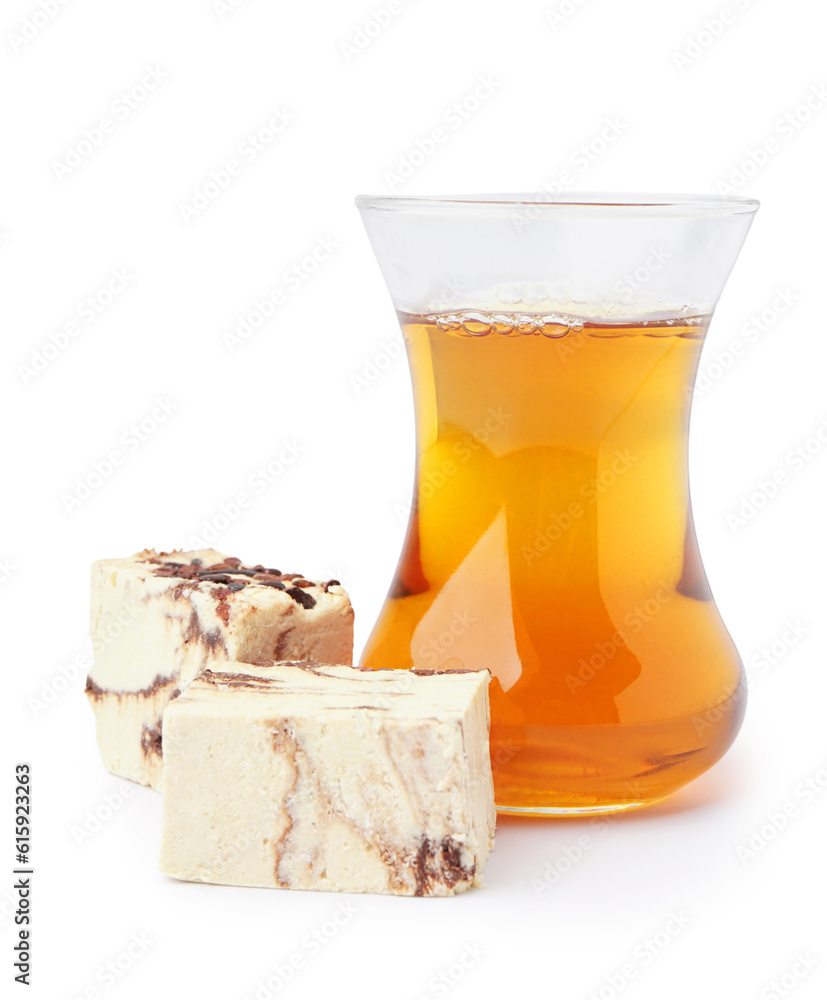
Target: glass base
[[573, 812]]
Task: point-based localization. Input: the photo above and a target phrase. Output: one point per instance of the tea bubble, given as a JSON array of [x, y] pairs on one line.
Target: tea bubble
[[476, 324]]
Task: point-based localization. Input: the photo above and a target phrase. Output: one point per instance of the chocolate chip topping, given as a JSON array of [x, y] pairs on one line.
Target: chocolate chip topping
[[175, 569], [301, 597], [231, 576]]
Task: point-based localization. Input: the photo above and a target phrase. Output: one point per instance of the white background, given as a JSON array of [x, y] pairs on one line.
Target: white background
[[680, 124]]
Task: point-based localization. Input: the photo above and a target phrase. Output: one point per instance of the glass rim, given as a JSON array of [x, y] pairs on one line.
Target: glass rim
[[586, 202]]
